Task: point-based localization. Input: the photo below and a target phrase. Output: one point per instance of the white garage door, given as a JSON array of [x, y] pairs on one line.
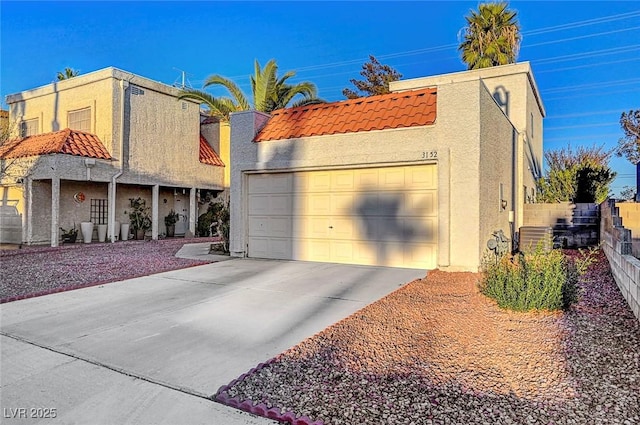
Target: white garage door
[[374, 216]]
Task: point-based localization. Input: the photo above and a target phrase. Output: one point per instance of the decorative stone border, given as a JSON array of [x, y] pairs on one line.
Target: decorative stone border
[[260, 409]]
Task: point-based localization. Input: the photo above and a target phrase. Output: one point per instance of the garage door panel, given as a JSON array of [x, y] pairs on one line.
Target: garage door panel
[[270, 183], [366, 179], [425, 177], [280, 204], [259, 247], [342, 203], [319, 250], [319, 204], [343, 228], [320, 181], [343, 180], [416, 255], [342, 251], [421, 203], [319, 227], [259, 204], [279, 227], [258, 226], [280, 248], [392, 178]]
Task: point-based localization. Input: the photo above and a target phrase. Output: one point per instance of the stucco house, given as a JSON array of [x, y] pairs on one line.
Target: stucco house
[[89, 144], [421, 177]]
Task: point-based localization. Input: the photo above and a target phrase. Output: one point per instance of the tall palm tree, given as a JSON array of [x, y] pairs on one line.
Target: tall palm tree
[[67, 73], [491, 37], [268, 91]]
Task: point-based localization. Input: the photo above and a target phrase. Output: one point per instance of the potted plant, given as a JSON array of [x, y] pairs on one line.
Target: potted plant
[[170, 221], [139, 217], [70, 235]]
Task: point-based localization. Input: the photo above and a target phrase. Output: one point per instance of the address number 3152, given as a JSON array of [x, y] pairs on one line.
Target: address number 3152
[[429, 154]]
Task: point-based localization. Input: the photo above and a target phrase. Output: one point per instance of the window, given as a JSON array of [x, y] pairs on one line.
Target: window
[[29, 127], [80, 119], [99, 211]]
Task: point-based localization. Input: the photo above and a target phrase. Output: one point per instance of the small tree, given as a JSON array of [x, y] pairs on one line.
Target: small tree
[[580, 176], [67, 73], [629, 145], [377, 78]]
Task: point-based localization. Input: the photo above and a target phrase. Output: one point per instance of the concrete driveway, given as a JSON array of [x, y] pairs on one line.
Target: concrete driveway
[[154, 349]]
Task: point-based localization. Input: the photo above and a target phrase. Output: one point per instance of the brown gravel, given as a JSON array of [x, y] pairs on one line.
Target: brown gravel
[[438, 352], [39, 270]]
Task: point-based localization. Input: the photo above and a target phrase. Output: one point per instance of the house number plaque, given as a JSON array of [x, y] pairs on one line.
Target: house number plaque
[[429, 154]]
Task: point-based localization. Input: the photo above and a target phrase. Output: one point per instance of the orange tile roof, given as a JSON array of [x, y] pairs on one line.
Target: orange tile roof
[[67, 141], [208, 155], [393, 110]]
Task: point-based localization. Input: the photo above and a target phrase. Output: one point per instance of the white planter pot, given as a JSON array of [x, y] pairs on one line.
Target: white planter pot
[[87, 231], [124, 231], [102, 232]]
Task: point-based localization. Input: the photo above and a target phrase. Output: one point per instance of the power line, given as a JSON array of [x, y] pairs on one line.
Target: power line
[[580, 37], [595, 53], [591, 94], [587, 65], [593, 85], [566, 127], [586, 22]]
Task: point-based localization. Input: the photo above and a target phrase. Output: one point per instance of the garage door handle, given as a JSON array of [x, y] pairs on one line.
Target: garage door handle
[[330, 227]]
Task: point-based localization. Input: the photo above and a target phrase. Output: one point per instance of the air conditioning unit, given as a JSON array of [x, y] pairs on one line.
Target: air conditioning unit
[[532, 237]]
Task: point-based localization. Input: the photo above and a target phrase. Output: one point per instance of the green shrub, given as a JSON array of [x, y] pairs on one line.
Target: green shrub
[[537, 280]]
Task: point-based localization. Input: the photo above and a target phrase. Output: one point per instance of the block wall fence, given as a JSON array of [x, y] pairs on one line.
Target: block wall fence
[[617, 243]]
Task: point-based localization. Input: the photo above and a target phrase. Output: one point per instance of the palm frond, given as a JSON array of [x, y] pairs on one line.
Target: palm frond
[[237, 94]]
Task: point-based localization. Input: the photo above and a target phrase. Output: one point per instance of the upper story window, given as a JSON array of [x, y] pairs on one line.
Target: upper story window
[[80, 119], [30, 127]]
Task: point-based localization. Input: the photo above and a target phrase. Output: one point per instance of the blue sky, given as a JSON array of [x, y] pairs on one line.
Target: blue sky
[[585, 54]]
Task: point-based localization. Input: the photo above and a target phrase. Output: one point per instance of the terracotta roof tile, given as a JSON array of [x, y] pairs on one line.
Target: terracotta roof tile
[[67, 141], [208, 155], [393, 110]]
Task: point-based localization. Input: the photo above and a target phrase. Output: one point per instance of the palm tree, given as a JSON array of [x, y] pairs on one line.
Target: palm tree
[[269, 92], [67, 73], [492, 36]]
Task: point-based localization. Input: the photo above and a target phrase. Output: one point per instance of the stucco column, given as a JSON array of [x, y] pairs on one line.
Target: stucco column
[[27, 226], [155, 196], [192, 211], [55, 210]]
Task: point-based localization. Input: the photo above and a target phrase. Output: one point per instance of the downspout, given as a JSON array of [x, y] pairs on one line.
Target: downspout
[[114, 178]]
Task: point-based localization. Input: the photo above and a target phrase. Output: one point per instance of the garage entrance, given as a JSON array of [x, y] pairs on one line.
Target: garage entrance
[[384, 216]]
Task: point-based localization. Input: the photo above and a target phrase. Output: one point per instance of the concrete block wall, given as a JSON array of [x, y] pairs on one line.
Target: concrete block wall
[[574, 225], [617, 245]]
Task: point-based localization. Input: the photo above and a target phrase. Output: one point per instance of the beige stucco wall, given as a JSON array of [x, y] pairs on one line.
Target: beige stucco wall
[[472, 160], [498, 154], [51, 104]]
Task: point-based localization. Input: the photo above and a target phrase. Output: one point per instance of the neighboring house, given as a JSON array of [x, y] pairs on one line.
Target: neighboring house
[[421, 177], [89, 144]]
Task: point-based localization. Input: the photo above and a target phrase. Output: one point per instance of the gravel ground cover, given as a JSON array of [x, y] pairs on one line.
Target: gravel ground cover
[[438, 352], [34, 271]]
